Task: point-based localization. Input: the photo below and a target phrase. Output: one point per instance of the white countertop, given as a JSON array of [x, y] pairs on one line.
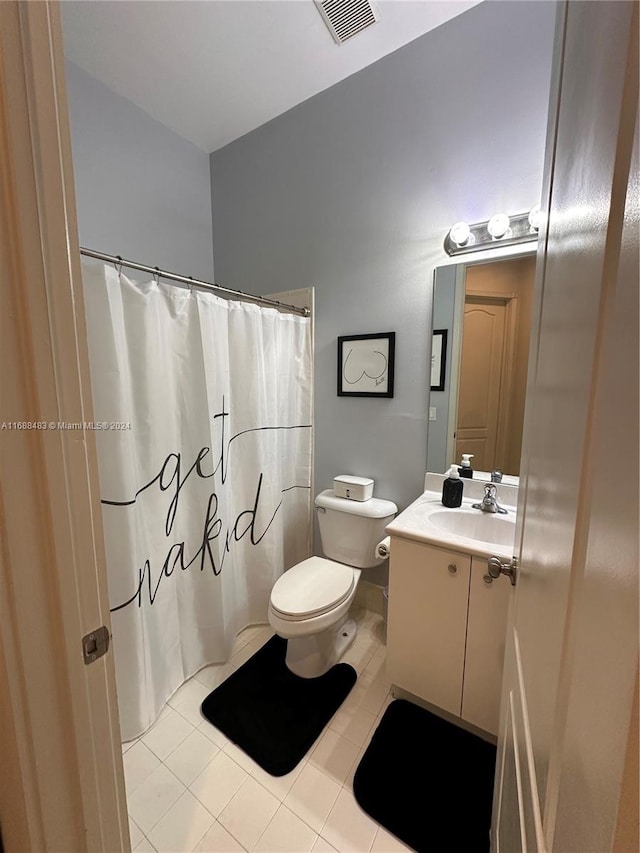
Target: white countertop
[[421, 521]]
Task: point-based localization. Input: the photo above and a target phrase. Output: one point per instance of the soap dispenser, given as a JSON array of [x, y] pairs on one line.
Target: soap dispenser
[[452, 489], [466, 470]]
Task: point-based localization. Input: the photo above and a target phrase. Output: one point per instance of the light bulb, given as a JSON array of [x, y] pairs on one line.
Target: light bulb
[[499, 226], [460, 233], [536, 218]]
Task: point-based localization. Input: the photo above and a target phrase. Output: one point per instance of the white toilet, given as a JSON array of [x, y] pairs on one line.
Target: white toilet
[[310, 602]]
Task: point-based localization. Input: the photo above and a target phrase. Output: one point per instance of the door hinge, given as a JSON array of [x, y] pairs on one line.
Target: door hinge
[[496, 568], [95, 644]]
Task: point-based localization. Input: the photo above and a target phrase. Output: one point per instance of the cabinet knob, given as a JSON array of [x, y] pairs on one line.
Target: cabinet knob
[[452, 568]]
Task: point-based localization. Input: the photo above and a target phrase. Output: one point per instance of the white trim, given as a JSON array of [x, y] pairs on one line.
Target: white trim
[[53, 582]]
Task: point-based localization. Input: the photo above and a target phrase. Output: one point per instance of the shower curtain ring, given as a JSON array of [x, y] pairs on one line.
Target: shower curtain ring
[[191, 286], [156, 275], [119, 266]]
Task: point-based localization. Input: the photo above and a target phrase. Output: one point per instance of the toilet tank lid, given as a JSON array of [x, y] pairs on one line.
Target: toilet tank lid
[[373, 508], [354, 481]]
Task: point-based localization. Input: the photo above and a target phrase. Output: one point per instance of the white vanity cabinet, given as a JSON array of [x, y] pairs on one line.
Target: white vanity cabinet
[[484, 658], [427, 622], [446, 630]]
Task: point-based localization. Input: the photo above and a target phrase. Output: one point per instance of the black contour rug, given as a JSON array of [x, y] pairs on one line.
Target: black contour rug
[[427, 781], [270, 713]]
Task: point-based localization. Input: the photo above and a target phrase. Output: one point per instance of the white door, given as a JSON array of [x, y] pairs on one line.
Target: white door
[[572, 641], [482, 368]]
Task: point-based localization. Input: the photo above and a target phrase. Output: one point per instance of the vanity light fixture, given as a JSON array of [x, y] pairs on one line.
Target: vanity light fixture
[[536, 218], [498, 226], [500, 230], [461, 234]]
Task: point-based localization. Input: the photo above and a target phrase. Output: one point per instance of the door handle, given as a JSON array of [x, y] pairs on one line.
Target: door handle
[[496, 568]]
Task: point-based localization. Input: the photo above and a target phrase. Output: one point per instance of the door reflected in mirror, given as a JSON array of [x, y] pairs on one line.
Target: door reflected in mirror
[[486, 305]]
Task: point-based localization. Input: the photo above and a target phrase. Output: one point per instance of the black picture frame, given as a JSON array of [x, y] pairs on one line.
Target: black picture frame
[[438, 359], [366, 365]]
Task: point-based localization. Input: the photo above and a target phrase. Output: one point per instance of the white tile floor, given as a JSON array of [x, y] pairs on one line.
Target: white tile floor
[[189, 788]]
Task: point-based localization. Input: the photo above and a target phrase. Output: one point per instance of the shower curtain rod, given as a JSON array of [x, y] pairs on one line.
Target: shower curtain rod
[[120, 262]]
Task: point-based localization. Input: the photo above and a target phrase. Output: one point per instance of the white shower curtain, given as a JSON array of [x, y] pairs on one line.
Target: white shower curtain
[[205, 472]]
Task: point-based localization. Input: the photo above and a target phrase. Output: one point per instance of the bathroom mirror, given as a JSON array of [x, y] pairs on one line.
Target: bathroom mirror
[[485, 305]]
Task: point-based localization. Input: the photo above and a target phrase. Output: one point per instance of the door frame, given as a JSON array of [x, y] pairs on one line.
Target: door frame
[[61, 748]]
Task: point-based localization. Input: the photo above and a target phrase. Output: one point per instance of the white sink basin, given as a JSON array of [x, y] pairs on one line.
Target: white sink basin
[[463, 529], [492, 528]]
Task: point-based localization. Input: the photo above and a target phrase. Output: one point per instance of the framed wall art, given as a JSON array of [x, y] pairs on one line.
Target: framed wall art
[[366, 364], [438, 359]]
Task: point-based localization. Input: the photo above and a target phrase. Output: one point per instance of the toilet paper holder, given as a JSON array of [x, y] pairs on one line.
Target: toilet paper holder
[[383, 548]]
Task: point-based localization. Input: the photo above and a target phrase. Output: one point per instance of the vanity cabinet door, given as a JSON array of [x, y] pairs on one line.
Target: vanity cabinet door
[[427, 617], [486, 635]]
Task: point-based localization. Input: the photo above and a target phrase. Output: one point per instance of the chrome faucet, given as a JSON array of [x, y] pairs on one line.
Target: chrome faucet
[[490, 501]]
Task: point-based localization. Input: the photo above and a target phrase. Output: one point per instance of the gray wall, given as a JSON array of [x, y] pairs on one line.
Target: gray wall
[[353, 192], [142, 191]]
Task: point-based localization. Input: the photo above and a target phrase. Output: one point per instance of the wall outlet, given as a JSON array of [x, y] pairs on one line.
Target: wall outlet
[[432, 413]]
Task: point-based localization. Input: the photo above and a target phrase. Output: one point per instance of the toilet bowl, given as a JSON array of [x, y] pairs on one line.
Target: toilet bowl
[[309, 604]]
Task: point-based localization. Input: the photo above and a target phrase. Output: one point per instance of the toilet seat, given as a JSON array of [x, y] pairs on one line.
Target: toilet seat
[[311, 588]]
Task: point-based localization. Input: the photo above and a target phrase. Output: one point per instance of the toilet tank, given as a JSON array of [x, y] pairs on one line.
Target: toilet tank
[[350, 530]]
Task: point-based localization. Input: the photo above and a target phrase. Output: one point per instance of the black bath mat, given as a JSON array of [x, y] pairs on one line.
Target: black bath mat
[[270, 713], [427, 781]]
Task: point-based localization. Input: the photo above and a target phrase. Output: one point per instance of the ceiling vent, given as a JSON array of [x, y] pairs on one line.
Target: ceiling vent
[[345, 18]]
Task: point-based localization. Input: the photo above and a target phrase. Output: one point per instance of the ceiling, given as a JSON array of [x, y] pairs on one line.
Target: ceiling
[[213, 70]]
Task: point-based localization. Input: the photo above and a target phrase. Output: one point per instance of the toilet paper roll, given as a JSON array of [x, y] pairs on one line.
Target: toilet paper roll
[[383, 548]]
